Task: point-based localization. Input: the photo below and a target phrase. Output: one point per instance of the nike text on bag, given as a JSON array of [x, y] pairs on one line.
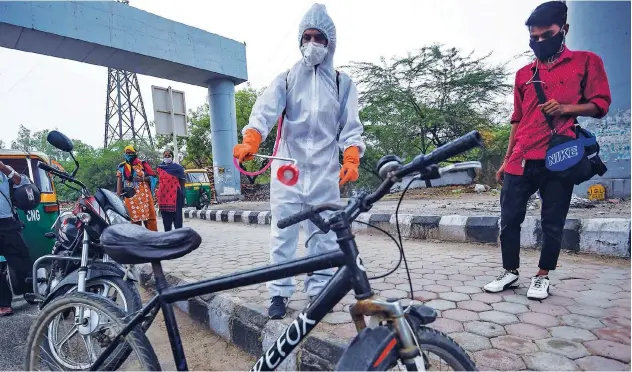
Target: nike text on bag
[[575, 159]]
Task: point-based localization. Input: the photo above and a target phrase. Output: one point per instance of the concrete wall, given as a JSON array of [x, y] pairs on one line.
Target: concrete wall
[[603, 27], [112, 34]]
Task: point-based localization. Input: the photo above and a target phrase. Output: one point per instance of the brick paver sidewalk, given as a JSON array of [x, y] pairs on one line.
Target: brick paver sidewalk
[[584, 324]]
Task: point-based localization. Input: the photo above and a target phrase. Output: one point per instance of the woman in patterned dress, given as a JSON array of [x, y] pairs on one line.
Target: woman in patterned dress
[[170, 192], [135, 173]]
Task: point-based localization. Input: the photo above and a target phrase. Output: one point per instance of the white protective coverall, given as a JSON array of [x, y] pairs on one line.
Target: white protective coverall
[[314, 112]]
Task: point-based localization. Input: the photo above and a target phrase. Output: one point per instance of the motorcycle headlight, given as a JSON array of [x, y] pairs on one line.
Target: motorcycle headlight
[[115, 218]]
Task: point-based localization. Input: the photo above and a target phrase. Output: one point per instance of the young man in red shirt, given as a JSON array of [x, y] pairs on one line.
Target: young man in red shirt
[[575, 84]]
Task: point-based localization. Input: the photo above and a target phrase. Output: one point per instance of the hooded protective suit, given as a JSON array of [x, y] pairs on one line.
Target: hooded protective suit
[[314, 112]]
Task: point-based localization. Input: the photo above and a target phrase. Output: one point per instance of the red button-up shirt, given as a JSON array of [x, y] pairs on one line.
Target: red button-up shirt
[[576, 77]]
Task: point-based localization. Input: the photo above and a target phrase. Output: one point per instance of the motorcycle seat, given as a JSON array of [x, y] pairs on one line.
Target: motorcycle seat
[[130, 244]]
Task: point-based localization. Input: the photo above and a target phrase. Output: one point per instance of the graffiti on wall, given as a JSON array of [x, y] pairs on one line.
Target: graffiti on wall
[[613, 134]]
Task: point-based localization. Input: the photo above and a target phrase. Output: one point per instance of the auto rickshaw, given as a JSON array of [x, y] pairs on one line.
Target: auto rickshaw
[[197, 188], [38, 221]]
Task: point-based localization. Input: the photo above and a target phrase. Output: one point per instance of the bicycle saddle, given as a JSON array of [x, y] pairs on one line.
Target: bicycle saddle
[[133, 244]]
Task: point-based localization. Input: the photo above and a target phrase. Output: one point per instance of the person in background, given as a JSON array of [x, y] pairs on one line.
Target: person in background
[[136, 173], [12, 245], [320, 120], [575, 84], [170, 191]]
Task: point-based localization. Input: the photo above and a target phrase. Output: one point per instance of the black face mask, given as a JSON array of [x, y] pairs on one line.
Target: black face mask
[[546, 49]]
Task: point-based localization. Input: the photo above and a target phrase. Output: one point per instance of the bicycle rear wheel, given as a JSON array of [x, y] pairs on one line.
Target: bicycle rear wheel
[[377, 350], [49, 349]]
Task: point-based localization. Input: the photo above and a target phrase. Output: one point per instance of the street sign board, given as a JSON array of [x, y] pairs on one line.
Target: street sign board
[[166, 119]]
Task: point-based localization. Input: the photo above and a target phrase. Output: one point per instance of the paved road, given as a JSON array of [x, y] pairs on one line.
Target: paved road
[[584, 324], [13, 332], [204, 350]]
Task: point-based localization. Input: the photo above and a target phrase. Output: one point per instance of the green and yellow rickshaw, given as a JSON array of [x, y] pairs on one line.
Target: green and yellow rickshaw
[[197, 188], [38, 221]]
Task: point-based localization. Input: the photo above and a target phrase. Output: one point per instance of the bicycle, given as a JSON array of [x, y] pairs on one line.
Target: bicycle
[[399, 334]]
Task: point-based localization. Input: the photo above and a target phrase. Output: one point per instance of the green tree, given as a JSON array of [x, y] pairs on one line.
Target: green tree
[[24, 141], [97, 169], [39, 143], [413, 104], [199, 151], [244, 101], [492, 155]]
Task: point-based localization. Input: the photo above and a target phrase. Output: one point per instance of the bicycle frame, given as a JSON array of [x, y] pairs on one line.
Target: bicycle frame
[[350, 275]]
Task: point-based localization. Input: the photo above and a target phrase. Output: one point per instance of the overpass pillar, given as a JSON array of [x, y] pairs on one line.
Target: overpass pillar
[[221, 95], [603, 27]]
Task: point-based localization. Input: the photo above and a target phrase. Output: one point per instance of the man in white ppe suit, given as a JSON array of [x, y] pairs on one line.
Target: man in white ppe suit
[[320, 108]]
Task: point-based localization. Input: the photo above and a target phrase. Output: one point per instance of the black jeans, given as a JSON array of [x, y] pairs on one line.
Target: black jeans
[[6, 296], [556, 197], [173, 218], [15, 251]]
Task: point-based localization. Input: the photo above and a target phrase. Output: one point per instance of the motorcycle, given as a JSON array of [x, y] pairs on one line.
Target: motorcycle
[[77, 262]]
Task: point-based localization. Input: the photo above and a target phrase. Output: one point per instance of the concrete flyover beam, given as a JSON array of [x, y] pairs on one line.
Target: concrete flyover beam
[[112, 34]]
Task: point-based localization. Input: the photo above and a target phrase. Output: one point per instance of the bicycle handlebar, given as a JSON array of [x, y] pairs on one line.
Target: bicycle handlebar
[[454, 148], [313, 214], [421, 163]]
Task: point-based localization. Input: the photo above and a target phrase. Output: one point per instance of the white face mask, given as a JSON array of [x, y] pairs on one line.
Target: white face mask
[[167, 160], [313, 53]]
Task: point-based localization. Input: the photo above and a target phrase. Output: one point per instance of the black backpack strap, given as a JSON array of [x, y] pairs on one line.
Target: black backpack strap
[[541, 97], [287, 86], [338, 89]]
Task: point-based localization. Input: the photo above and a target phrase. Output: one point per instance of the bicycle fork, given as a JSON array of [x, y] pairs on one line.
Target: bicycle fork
[[393, 311]]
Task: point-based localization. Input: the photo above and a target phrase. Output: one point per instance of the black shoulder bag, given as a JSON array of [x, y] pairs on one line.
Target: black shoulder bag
[[574, 159]]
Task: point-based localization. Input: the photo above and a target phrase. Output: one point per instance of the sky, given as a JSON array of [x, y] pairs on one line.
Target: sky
[[44, 92]]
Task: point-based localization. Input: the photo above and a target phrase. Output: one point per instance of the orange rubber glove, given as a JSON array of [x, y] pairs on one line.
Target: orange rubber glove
[[249, 146], [350, 164]]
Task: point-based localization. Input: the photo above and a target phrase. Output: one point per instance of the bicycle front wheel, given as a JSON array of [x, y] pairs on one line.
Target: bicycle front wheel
[[73, 330], [439, 350], [377, 349]]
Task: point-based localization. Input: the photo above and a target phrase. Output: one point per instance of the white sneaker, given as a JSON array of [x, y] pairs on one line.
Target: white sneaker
[[502, 282], [539, 289]]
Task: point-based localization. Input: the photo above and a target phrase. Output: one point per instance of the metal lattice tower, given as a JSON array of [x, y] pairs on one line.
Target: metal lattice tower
[[125, 116]]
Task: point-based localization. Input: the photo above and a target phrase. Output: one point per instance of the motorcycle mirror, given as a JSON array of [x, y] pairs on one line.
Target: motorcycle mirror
[[59, 141], [128, 192]]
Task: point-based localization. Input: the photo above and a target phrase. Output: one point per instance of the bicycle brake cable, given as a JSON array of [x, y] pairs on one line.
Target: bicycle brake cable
[[397, 244], [401, 244]]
